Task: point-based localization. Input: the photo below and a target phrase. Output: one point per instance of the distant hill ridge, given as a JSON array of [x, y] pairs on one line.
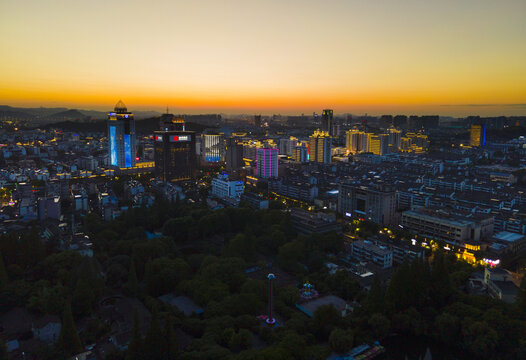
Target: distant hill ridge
[[44, 115]]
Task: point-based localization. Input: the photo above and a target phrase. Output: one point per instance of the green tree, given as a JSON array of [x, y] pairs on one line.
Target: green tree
[[521, 298], [69, 342], [447, 328], [374, 302], [479, 338], [134, 351], [3, 350], [172, 347], [83, 297], [325, 318], [3, 272], [132, 284], [154, 341], [379, 325], [340, 340]]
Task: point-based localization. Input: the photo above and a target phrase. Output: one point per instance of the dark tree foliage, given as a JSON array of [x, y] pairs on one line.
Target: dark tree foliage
[[69, 342]]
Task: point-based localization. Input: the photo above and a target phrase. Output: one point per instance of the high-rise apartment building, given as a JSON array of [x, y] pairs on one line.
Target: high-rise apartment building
[[267, 163], [301, 154], [121, 137], [378, 144], [320, 144], [356, 141], [477, 135], [174, 154], [287, 145], [395, 139]]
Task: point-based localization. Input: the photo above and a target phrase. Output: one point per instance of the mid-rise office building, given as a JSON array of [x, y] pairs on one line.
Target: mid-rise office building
[[366, 251], [255, 201], [477, 135], [224, 188], [174, 154], [121, 137], [320, 147], [374, 203], [309, 222], [267, 163]]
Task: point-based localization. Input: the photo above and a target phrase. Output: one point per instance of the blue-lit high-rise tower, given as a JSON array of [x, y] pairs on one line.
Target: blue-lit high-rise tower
[[121, 137]]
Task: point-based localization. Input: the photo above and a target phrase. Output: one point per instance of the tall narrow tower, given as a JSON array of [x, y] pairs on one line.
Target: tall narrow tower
[[121, 137], [270, 320]]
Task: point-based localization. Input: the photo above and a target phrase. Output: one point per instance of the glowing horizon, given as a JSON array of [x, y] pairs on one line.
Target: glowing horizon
[[448, 58]]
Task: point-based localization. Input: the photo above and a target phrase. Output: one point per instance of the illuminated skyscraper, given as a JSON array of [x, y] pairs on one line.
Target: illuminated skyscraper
[[267, 166], [320, 144], [121, 137], [175, 157], [477, 135], [212, 147], [326, 120]]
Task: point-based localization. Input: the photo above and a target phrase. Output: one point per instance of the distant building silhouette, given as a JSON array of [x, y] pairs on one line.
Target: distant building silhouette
[[327, 120]]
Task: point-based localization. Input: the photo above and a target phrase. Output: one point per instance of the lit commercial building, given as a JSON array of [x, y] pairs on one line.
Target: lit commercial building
[[477, 135], [121, 137], [267, 163], [320, 144], [224, 188], [450, 228], [175, 157], [212, 147], [377, 204]]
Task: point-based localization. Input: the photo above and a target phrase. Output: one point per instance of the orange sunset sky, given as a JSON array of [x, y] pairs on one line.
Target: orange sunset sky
[[243, 56]]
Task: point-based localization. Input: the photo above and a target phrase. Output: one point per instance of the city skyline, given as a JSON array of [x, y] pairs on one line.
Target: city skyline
[[448, 58]]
